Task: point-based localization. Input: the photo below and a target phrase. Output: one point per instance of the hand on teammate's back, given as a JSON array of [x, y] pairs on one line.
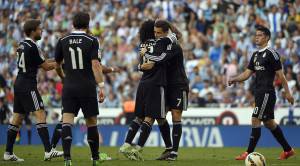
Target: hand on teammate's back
[[147, 66], [143, 51], [230, 82]]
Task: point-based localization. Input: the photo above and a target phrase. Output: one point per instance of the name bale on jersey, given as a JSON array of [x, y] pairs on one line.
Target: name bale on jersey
[[75, 41]]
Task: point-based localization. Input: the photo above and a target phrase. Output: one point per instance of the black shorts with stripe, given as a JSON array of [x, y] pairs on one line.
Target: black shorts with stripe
[[177, 98], [264, 106], [88, 105], [150, 101], [27, 101]]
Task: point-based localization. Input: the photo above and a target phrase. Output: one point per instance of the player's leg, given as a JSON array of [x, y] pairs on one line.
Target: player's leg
[[42, 128], [68, 121], [144, 134], [176, 133], [278, 134], [136, 123], [269, 122], [56, 135], [93, 136], [132, 130], [36, 104], [254, 138], [164, 128], [44, 135], [12, 132], [177, 100], [28, 127], [139, 113], [71, 108], [155, 108], [90, 111], [14, 126]]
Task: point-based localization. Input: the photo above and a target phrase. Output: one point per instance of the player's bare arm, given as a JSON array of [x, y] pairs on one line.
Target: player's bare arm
[[60, 71], [48, 65], [176, 31], [97, 70], [107, 70], [282, 78], [240, 78]]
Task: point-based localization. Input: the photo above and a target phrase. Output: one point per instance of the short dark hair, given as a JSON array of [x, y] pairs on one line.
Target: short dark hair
[[264, 29], [31, 25], [147, 31], [162, 24], [81, 20]]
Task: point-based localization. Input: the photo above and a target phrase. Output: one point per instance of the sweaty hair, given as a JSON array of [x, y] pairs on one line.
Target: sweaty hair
[[30, 26], [164, 25], [81, 20], [265, 30], [147, 31]]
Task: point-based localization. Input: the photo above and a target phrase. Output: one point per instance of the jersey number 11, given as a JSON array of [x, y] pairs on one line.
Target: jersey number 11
[[73, 58]]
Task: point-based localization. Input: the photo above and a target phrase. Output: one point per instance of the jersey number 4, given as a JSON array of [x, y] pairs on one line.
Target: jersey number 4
[[21, 63], [73, 58]]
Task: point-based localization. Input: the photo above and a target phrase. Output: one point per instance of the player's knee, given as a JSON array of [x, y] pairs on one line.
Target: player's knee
[[17, 119], [149, 120], [176, 115], [68, 118], [138, 120], [91, 121], [161, 121], [270, 124], [40, 116], [255, 122]]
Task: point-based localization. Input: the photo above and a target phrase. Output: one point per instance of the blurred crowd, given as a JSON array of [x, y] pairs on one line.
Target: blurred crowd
[[218, 39]]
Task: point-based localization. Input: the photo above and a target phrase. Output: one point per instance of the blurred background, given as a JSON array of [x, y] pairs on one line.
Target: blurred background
[[218, 39]]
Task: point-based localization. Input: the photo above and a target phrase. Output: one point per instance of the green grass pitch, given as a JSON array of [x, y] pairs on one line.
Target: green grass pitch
[[33, 156]]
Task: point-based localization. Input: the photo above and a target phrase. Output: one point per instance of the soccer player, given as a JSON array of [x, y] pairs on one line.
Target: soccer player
[[58, 128], [27, 98], [82, 74], [265, 63], [150, 98], [177, 91]]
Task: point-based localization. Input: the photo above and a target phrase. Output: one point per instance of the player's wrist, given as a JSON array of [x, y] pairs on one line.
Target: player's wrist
[[101, 85]]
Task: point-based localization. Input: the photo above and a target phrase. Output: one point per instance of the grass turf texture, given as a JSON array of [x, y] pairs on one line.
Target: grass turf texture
[[33, 156]]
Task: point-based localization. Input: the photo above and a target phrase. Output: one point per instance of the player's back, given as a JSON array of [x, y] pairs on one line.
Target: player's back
[[156, 75], [29, 60], [77, 50], [176, 74]]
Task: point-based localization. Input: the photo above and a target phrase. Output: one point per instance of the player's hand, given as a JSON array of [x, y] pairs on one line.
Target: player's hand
[[101, 95], [147, 66], [143, 51], [116, 69], [290, 98], [230, 82]]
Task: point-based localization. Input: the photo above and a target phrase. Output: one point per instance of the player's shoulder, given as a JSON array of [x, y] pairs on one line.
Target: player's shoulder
[[271, 51], [27, 44], [84, 35]]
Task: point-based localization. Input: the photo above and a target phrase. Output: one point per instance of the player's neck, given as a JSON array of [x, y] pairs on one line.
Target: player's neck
[[263, 46], [80, 31], [30, 38]]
